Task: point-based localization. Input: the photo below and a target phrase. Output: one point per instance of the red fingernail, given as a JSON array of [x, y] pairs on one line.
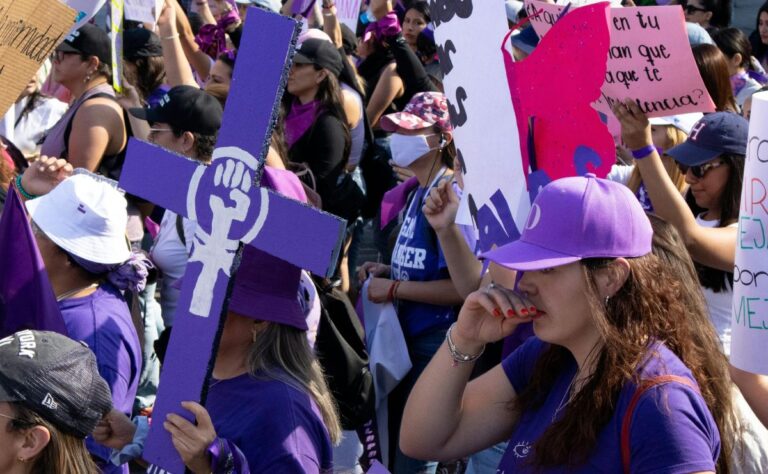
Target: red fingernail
[[533, 309], [497, 312], [524, 311], [511, 313]]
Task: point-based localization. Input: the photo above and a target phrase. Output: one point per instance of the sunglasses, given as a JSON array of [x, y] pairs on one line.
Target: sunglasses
[[699, 171], [691, 9], [59, 56]]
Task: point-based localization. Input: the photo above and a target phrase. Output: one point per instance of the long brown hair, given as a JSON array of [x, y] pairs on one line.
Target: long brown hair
[[64, 454], [730, 200], [637, 316], [282, 353], [329, 95], [150, 74], [713, 67], [714, 381]]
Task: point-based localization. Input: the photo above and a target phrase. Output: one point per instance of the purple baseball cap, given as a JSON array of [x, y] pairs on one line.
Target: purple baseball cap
[[575, 218]]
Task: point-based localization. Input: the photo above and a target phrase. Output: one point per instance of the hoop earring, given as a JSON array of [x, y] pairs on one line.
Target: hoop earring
[[87, 79], [607, 298]]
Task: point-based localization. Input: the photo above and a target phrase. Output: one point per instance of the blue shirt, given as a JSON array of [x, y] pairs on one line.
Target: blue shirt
[[672, 430], [417, 257]]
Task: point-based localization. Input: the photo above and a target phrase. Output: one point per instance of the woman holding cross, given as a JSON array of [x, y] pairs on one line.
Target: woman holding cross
[[264, 363]]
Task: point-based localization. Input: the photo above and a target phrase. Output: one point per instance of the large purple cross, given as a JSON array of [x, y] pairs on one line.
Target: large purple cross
[[230, 210]]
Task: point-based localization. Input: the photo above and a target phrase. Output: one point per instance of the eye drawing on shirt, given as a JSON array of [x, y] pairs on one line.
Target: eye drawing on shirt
[[522, 449]]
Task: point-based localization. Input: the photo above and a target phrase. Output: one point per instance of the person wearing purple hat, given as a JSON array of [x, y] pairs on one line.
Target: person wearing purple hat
[[268, 407], [584, 394]]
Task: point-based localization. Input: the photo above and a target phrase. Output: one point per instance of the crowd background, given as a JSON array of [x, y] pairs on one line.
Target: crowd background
[[500, 380]]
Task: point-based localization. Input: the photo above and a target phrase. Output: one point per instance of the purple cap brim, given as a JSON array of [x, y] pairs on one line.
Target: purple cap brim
[[267, 307], [690, 154], [523, 256]]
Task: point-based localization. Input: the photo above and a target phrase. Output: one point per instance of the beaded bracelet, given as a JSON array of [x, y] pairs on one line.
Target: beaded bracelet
[[22, 190], [456, 354]]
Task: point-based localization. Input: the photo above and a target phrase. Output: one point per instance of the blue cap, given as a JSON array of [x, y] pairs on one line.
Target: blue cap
[[713, 135]]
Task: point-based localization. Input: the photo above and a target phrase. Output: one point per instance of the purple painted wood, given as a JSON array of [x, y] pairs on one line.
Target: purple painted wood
[[230, 210]]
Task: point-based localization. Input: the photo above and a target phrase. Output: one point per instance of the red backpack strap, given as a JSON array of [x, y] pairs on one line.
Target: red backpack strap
[[626, 422]]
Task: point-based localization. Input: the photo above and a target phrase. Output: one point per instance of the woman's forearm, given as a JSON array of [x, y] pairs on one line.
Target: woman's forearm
[[434, 408], [177, 69], [463, 265], [437, 292]]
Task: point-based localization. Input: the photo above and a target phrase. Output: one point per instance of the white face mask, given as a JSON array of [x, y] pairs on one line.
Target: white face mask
[[408, 148]]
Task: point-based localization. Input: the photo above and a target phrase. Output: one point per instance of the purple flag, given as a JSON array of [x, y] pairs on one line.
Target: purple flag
[[26, 297]]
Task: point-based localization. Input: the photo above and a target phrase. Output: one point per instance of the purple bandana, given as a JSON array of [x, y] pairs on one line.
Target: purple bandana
[[212, 39], [395, 199], [738, 81], [299, 119]]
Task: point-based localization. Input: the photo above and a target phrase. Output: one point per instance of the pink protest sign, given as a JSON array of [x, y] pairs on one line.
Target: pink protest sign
[[649, 60], [568, 136]]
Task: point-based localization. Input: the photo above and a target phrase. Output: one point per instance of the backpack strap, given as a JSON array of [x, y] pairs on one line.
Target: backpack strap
[[180, 230], [68, 129], [626, 422]]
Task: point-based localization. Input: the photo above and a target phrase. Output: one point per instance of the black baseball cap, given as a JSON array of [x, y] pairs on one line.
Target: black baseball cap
[[185, 108], [319, 52], [348, 39], [55, 377], [89, 40], [141, 43], [710, 137]]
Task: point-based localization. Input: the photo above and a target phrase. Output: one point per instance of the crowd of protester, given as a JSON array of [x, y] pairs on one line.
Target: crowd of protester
[[597, 342]]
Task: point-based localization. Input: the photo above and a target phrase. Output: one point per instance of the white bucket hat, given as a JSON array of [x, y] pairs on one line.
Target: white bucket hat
[[86, 217]]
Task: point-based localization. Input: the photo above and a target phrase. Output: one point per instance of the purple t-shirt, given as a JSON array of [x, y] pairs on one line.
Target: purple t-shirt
[[672, 430], [102, 321], [277, 427]]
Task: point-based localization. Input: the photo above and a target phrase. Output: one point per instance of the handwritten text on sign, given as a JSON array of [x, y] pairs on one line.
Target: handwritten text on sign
[[29, 32], [749, 321], [649, 61], [495, 198]]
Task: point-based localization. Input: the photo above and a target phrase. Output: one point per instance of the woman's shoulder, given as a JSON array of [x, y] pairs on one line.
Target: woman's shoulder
[[661, 361], [279, 395]]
